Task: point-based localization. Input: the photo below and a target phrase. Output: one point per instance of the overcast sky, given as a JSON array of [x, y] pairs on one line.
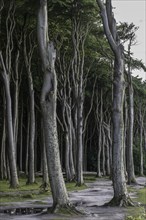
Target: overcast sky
[[134, 11]]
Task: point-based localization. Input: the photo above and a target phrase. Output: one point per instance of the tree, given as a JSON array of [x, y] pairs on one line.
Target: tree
[[28, 61], [48, 107], [121, 196], [130, 163], [6, 71]]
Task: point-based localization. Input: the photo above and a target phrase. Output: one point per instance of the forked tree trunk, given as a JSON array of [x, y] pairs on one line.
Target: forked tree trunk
[[48, 107]]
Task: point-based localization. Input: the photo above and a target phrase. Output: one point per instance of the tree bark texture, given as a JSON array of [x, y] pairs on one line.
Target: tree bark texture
[[48, 106], [11, 148], [121, 196]]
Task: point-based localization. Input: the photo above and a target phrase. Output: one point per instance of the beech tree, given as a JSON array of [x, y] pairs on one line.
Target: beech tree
[[6, 71], [48, 106], [121, 196]]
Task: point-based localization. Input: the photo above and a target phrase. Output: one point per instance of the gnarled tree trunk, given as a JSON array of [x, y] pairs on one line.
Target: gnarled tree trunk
[[48, 107]]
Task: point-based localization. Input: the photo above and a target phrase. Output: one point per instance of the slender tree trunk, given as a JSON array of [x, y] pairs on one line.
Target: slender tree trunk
[[103, 152], [100, 121], [11, 148], [80, 180], [125, 136], [3, 170], [21, 140], [107, 158], [141, 140], [130, 162], [28, 58], [27, 143]]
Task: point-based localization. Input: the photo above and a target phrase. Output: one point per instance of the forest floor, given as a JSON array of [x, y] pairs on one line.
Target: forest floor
[[89, 200]]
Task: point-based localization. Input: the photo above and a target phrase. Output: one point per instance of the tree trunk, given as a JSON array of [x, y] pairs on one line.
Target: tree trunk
[[11, 148], [141, 139], [121, 196], [100, 121], [130, 162], [3, 170], [80, 180], [45, 183], [48, 107], [28, 58], [21, 140]]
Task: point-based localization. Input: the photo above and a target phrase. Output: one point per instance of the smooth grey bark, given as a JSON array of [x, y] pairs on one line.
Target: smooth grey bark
[[48, 108], [45, 179], [141, 139], [21, 140], [65, 95], [99, 113], [107, 158], [121, 196], [27, 142], [28, 59], [103, 152], [11, 148], [3, 170], [125, 135], [80, 102], [130, 161], [144, 130]]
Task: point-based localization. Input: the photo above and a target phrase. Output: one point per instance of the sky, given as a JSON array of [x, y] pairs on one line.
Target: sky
[[134, 11]]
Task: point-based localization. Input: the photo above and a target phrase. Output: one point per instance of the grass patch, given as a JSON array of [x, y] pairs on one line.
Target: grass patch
[[90, 178], [137, 213], [32, 191], [72, 186], [5, 186]]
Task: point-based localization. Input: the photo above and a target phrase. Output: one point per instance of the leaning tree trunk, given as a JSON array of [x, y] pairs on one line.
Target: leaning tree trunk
[[11, 148], [48, 108], [121, 196]]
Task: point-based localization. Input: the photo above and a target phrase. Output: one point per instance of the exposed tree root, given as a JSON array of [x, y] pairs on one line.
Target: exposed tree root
[[132, 182], [29, 183], [44, 187], [122, 201], [80, 184], [67, 209], [14, 187]]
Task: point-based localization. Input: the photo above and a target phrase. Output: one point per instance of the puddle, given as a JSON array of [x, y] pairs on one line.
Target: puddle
[[23, 211]]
